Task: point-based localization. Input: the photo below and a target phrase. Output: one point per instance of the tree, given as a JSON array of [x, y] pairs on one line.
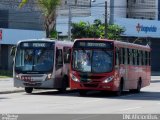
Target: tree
[[48, 8], [95, 30]]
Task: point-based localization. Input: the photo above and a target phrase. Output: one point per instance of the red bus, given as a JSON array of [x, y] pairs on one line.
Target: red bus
[[108, 65]]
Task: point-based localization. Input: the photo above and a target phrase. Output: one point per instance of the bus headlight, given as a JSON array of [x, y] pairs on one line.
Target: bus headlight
[[17, 76], [109, 79], [49, 76], [74, 78]]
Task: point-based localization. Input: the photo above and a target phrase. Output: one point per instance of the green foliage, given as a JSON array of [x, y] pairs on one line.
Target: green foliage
[[5, 73], [49, 11], [48, 6], [22, 3], [95, 30], [53, 34], [114, 32]]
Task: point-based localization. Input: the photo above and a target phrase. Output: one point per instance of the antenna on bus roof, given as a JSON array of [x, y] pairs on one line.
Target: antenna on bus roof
[[148, 41], [137, 39]]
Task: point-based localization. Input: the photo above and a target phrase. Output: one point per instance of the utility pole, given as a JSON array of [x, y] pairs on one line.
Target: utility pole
[[106, 19], [69, 23], [111, 17]]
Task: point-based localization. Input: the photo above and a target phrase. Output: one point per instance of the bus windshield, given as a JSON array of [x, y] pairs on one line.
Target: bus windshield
[[95, 61], [34, 59]]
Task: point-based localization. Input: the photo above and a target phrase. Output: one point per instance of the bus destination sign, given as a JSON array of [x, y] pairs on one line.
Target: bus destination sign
[[88, 44], [36, 45]]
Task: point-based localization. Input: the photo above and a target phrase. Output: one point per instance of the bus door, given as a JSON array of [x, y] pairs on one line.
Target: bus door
[[124, 67], [117, 63], [58, 68]]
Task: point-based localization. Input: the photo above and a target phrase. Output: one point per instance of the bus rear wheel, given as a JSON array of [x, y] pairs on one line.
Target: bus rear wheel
[[138, 89], [139, 85], [28, 89]]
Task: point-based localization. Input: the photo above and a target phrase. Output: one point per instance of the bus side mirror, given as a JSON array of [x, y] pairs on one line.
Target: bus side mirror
[[68, 57], [13, 51]]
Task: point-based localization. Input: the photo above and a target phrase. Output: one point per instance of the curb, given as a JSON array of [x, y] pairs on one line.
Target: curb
[[11, 91]]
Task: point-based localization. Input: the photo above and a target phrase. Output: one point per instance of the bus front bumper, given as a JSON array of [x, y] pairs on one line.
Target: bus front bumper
[[93, 86], [40, 84]]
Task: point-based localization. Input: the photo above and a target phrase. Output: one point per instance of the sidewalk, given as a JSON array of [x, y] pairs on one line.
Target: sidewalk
[[6, 85]]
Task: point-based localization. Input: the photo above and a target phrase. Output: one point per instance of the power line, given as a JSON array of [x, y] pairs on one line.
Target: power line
[[95, 5]]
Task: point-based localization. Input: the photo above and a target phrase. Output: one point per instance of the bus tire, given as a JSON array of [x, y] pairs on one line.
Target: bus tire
[[82, 92], [64, 85], [120, 89], [139, 86], [138, 89], [28, 89]]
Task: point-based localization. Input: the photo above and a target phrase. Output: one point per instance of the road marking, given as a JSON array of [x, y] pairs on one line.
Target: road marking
[[130, 108]]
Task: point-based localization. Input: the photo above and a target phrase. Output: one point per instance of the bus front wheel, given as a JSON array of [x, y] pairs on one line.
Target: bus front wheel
[[64, 85], [28, 89], [120, 89]]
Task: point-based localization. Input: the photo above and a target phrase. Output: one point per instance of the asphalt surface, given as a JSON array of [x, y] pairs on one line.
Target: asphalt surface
[[6, 85], [53, 102]]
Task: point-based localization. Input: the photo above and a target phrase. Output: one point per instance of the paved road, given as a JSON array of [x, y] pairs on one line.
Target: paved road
[[148, 101]]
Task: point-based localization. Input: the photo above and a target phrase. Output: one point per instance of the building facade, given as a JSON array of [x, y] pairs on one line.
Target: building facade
[[142, 26], [28, 17], [143, 9], [17, 24], [140, 18]]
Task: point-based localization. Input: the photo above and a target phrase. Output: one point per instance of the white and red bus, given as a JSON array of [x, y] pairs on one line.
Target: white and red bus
[[42, 63], [108, 65]]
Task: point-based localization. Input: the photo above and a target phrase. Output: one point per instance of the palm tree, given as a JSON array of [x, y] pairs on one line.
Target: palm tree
[[48, 8]]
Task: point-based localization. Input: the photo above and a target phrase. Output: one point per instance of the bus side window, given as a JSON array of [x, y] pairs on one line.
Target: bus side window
[[149, 58], [137, 57], [59, 58], [129, 55], [149, 55], [142, 57], [146, 58], [117, 56], [122, 56], [133, 56], [125, 57]]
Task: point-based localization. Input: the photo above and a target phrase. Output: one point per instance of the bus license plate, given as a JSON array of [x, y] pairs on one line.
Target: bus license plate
[[26, 78]]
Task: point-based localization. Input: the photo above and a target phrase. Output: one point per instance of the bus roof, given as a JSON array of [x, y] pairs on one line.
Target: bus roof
[[47, 40], [119, 43]]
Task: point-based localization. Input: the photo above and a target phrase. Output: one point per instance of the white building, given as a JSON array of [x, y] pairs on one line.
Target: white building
[[10, 37], [143, 9], [90, 12]]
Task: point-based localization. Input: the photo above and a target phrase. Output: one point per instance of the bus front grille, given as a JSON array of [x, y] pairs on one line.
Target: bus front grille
[[90, 85]]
